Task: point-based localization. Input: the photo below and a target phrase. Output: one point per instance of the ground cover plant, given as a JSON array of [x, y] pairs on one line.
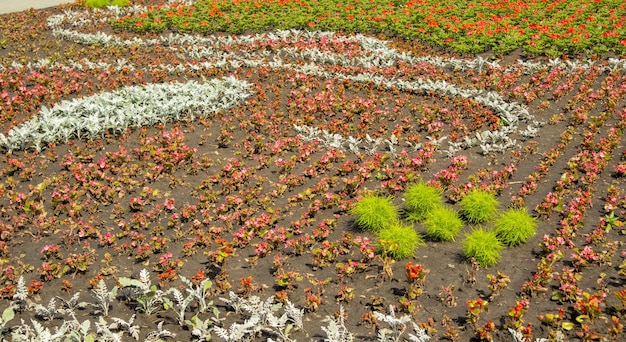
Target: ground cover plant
[[177, 170]]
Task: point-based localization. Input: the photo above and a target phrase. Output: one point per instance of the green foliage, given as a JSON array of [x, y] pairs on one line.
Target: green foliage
[[515, 226], [484, 246], [537, 28], [478, 206], [402, 239], [420, 199], [105, 3], [374, 213], [443, 223]]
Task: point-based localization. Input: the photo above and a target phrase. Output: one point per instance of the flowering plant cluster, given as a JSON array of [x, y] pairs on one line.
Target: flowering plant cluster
[[164, 143]]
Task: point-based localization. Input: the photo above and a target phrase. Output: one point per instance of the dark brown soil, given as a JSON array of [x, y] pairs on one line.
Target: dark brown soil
[[265, 120]]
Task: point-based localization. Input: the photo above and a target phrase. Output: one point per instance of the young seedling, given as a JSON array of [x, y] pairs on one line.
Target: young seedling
[[148, 296], [336, 329], [103, 297], [497, 283], [200, 292]]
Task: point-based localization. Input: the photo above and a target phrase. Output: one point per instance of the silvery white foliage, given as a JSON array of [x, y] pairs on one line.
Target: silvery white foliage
[[331, 140], [377, 53], [397, 327], [79, 331], [373, 143], [47, 312], [453, 149], [103, 297], [518, 337], [353, 144], [415, 146], [200, 329], [148, 297], [38, 333], [420, 334], [132, 107], [262, 318], [122, 325], [234, 301], [200, 292], [615, 64], [554, 62], [531, 131], [308, 133], [159, 334], [105, 334], [570, 66], [336, 330], [180, 303], [436, 141], [20, 296], [391, 144], [69, 306], [480, 63], [238, 331], [530, 67]]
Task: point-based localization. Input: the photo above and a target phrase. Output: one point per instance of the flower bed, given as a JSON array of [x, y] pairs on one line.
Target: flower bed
[[232, 185]]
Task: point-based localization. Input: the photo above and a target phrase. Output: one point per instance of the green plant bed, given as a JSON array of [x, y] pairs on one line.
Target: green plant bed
[[420, 199], [515, 226], [478, 206], [484, 246], [404, 239], [373, 213], [105, 3], [443, 223]]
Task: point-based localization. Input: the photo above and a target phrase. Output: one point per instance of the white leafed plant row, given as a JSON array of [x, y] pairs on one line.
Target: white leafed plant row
[[129, 107]]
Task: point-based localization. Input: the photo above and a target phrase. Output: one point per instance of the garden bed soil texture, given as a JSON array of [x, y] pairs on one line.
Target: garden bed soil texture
[[257, 197]]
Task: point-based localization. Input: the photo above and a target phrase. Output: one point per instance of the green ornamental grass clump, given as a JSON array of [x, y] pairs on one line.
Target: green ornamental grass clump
[[484, 246], [373, 213], [404, 240], [478, 206], [105, 3], [420, 199], [443, 223], [515, 226]]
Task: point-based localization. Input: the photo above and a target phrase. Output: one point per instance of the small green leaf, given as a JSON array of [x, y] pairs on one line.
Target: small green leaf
[[167, 303], [567, 326], [7, 315], [581, 318]]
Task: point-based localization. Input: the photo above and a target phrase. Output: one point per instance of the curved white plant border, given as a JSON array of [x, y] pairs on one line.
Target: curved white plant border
[[380, 55], [127, 107]]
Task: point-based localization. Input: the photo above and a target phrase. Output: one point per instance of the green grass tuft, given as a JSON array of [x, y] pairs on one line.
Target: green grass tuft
[[484, 246], [443, 223], [105, 3], [404, 239], [374, 213], [515, 226], [420, 199], [478, 206]]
